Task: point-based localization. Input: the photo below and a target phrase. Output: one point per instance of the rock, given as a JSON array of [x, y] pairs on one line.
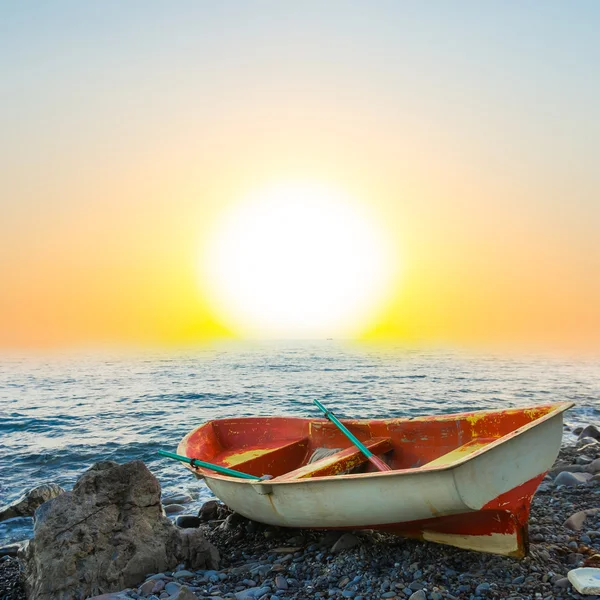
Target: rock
[[183, 574], [575, 521], [594, 466], [252, 593], [254, 526], [347, 541], [176, 499], [592, 447], [562, 583], [565, 466], [172, 587], [209, 511], [418, 595], [481, 588], [590, 431], [286, 549], [233, 521], [588, 443], [106, 535], [575, 558], [159, 586], [26, 505], [146, 588], [281, 583], [330, 538], [572, 479], [184, 594], [296, 540], [586, 580], [172, 509], [188, 521], [115, 596], [286, 558], [242, 569], [13, 549]]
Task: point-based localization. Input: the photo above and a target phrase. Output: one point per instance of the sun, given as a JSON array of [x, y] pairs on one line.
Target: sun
[[297, 260]]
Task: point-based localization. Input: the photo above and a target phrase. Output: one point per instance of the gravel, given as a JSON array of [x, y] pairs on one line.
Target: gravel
[[11, 587]]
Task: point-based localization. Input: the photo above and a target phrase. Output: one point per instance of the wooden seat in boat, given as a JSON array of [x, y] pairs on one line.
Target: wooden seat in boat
[[340, 461], [459, 453], [267, 458]]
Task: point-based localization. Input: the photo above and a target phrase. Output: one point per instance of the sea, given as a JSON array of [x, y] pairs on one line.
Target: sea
[[60, 414]]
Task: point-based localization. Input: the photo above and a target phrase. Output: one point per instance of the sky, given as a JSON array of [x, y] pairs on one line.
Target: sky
[[469, 130]]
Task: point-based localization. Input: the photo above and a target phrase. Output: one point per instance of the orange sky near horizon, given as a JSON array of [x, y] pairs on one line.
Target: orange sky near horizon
[[123, 148]]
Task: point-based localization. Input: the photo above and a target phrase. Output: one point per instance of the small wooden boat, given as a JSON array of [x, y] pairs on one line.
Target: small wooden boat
[[465, 479]]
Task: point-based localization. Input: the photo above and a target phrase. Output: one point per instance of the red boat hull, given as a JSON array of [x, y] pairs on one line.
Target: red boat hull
[[465, 480]]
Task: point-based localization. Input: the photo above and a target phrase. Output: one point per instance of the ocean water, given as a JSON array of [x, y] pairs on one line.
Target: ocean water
[[59, 415]]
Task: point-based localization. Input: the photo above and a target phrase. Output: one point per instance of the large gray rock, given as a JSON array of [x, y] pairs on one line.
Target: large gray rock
[[561, 466], [106, 535], [26, 505], [209, 511], [594, 466], [572, 479], [176, 499], [590, 431], [347, 541], [576, 520]]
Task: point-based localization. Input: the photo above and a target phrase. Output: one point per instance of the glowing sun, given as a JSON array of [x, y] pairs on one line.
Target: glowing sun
[[297, 261]]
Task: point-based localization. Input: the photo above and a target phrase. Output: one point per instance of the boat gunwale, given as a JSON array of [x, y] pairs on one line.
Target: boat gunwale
[[559, 407]]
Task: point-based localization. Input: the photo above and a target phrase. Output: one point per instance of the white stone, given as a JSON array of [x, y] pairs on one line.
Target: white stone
[[585, 580]]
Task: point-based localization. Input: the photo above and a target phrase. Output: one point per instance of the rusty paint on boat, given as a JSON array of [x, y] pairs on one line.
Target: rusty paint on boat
[[466, 479]]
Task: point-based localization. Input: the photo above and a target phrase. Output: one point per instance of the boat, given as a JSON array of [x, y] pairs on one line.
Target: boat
[[466, 479]]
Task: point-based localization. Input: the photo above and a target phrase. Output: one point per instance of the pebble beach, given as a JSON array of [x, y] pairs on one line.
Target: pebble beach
[[268, 563]]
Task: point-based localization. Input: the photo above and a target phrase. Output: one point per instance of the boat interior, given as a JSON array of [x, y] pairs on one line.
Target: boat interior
[[290, 448]]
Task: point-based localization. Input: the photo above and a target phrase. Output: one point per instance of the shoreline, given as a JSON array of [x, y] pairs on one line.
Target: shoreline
[[143, 409], [259, 561]]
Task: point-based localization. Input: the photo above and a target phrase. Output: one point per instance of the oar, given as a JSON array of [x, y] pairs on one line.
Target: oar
[[374, 460], [200, 463]]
